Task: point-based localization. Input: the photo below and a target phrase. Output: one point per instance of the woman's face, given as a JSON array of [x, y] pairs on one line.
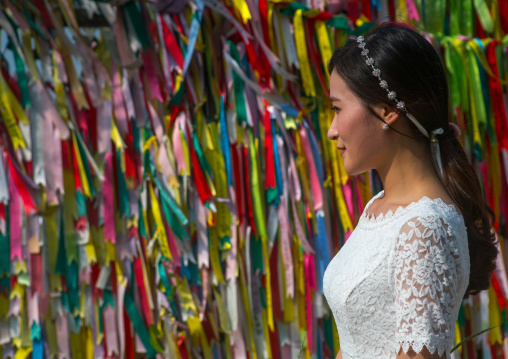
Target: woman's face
[[358, 132]]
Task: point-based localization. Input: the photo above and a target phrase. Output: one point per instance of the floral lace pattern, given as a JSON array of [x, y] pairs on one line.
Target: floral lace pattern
[[427, 285], [399, 280]]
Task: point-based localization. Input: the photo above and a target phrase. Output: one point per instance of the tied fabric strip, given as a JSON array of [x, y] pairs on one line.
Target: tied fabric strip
[[164, 193]]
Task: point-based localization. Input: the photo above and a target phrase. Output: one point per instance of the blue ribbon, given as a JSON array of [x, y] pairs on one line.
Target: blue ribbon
[[322, 250], [224, 141], [315, 153], [278, 173]]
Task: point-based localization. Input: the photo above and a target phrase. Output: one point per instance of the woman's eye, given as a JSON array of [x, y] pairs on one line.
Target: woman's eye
[[335, 108]]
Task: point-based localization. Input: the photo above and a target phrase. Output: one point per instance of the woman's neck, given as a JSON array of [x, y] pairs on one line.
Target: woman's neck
[[408, 177]]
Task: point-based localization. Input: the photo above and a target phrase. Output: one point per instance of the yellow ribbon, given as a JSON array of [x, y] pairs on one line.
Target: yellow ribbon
[[26, 37], [324, 46], [81, 167], [6, 111], [59, 90], [161, 231], [242, 8], [301, 50], [482, 58]]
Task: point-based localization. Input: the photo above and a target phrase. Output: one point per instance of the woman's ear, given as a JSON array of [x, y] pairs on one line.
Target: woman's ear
[[388, 114]]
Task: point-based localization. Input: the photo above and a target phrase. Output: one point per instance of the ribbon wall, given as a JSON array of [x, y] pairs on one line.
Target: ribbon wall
[[167, 188]]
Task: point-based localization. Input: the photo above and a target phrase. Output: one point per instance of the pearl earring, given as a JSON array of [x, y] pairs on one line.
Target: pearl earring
[[386, 126]]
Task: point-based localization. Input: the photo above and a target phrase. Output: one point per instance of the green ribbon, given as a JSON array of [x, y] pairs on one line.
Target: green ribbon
[[238, 86], [31, 22], [170, 291], [81, 204], [71, 279], [86, 166], [166, 197], [434, 15], [61, 265], [339, 22], [132, 12], [482, 10], [5, 283], [5, 259], [139, 326], [174, 224], [20, 67], [141, 222], [35, 332], [454, 66], [199, 153], [21, 77], [255, 190], [476, 86], [256, 249]]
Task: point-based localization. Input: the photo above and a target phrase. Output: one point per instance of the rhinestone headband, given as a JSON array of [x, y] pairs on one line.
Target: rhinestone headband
[[401, 106], [391, 94]]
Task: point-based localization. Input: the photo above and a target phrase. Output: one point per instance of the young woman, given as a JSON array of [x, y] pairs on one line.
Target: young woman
[[424, 243]]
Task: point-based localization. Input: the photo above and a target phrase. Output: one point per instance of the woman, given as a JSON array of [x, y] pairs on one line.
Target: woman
[[424, 243]]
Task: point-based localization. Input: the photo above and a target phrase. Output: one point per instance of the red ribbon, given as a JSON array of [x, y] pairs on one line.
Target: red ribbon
[[236, 155], [77, 178], [172, 45], [501, 300], [503, 19], [353, 12], [314, 54], [91, 118], [28, 202], [138, 274], [366, 9], [129, 343], [204, 192], [496, 95], [269, 153], [182, 347], [247, 189]]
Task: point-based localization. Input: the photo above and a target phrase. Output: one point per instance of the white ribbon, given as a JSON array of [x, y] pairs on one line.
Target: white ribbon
[[436, 152]]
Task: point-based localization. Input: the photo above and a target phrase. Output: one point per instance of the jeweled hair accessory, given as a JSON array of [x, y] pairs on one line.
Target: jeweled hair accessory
[[401, 106]]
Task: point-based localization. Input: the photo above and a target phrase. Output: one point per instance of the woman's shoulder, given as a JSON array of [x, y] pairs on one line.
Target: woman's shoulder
[[435, 208], [425, 208]]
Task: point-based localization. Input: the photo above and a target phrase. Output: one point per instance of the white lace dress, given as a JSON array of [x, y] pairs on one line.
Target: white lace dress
[[399, 280]]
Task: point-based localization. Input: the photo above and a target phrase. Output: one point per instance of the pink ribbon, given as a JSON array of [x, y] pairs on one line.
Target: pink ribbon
[[124, 51], [108, 315], [177, 143], [62, 335], [108, 200], [15, 217], [104, 114], [347, 191], [231, 259], [310, 282], [285, 230], [151, 76], [412, 11], [118, 102], [203, 254]]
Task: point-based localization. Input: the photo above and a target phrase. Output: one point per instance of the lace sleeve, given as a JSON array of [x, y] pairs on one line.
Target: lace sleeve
[[426, 286]]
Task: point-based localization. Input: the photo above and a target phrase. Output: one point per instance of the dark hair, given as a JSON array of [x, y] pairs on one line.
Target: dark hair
[[413, 69]]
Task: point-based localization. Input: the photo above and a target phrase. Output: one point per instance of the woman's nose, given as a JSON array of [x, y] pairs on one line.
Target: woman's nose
[[333, 133]]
